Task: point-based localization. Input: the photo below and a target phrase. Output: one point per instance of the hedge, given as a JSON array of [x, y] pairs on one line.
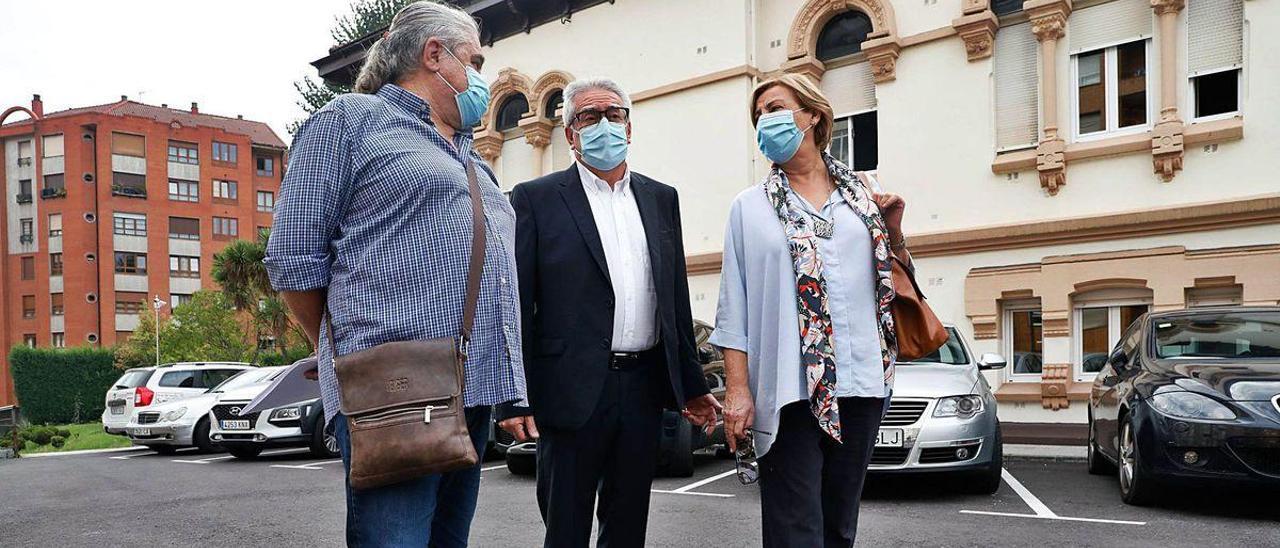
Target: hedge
[[62, 386]]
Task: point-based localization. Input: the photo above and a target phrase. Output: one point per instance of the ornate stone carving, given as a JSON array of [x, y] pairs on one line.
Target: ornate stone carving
[[978, 31], [883, 54], [1054, 382], [970, 7], [547, 84], [1049, 27], [985, 327], [488, 144], [1167, 6], [537, 131], [1051, 164], [509, 81], [1166, 148], [811, 17], [809, 66]]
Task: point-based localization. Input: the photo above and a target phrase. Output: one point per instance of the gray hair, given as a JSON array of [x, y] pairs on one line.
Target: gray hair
[[399, 52], [575, 87]]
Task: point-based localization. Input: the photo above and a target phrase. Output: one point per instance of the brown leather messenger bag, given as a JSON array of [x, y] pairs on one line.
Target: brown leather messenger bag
[[403, 400]]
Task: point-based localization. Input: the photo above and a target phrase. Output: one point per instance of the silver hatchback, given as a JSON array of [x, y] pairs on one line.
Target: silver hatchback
[[942, 418]]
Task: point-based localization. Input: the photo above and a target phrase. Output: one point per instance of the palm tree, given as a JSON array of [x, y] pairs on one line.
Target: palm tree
[[238, 268]]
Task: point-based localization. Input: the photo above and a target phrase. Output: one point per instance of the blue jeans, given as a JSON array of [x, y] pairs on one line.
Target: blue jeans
[[433, 511]]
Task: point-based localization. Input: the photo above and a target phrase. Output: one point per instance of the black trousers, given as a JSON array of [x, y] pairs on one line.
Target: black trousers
[[613, 455], [811, 485]]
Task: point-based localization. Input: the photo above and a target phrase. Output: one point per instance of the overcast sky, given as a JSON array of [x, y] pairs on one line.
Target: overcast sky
[[231, 56]]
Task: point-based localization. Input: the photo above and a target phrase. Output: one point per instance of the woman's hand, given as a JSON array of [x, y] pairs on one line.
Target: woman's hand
[[739, 414], [891, 208]]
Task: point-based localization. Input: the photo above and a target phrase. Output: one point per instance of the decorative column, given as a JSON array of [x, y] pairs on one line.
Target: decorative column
[[1049, 23], [488, 144], [537, 132], [977, 28], [1166, 138], [883, 54]]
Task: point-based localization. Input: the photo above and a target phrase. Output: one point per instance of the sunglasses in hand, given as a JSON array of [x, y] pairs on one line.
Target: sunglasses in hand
[[744, 458]]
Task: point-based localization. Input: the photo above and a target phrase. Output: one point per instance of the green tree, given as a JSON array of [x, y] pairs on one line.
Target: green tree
[[204, 329], [366, 16], [240, 271]]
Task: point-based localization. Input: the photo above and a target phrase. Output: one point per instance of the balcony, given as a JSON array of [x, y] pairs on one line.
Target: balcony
[[49, 193], [26, 239], [24, 198], [129, 191], [24, 162]]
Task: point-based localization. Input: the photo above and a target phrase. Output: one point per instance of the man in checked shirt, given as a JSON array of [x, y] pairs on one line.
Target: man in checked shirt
[[374, 223]]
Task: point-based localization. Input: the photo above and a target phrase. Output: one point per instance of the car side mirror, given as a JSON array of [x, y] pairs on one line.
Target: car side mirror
[[991, 360]]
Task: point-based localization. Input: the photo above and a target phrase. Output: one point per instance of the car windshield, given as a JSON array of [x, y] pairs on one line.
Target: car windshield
[[1224, 335], [245, 378], [950, 353]]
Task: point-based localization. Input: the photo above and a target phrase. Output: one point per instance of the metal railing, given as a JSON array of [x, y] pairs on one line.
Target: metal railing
[[47, 193], [24, 198]]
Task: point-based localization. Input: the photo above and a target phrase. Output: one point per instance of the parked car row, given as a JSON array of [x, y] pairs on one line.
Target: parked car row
[[171, 406]]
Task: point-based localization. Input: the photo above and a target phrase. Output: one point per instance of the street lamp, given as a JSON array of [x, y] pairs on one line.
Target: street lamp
[[157, 304]]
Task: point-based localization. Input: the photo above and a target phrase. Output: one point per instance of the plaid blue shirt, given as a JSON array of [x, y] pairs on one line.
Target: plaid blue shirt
[[375, 208]]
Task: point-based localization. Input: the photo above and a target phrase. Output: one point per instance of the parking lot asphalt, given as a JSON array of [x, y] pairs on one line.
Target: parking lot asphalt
[[288, 498]]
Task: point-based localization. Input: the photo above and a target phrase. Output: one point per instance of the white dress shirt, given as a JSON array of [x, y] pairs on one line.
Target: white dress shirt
[[626, 252]]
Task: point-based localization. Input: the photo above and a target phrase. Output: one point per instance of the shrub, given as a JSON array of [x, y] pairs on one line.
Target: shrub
[[64, 433], [41, 435], [62, 385], [57, 441]]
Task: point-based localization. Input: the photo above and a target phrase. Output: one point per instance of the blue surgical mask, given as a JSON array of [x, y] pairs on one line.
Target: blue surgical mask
[[778, 136], [604, 145], [473, 101]]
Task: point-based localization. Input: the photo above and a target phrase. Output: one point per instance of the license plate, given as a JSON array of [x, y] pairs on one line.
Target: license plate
[[889, 437], [142, 431], [235, 425], [117, 409]]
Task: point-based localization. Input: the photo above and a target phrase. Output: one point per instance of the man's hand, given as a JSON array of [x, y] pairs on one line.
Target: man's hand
[[523, 428], [739, 415], [701, 411]]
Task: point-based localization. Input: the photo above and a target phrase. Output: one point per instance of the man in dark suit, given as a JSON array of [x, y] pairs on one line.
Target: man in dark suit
[[608, 333]]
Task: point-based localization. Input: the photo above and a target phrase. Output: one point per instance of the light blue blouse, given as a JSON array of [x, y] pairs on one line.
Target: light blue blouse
[[757, 309]]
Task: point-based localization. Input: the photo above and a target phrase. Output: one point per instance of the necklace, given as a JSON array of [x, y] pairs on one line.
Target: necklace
[[822, 228]]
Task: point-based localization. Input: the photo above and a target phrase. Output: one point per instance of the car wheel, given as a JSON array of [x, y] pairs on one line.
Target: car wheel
[[676, 457], [200, 437], [1137, 487], [245, 452], [987, 482], [324, 444], [1098, 464], [163, 449], [522, 465]]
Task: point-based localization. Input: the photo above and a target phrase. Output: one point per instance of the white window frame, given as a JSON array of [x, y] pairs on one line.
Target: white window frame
[[1006, 339], [1114, 331], [1190, 107], [1112, 88], [223, 187], [850, 116]]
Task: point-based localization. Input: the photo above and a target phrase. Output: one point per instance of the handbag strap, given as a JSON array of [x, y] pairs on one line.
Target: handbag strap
[[475, 268]]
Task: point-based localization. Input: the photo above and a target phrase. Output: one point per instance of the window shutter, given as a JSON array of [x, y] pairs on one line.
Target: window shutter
[[1109, 24], [52, 146], [850, 88], [1017, 85], [1215, 35], [128, 145]]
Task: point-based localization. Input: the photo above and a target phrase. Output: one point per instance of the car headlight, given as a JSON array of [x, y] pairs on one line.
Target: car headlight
[[959, 406], [286, 413], [1190, 405], [175, 414]]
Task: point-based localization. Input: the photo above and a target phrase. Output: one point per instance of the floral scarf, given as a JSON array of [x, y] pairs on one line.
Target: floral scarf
[[817, 353]]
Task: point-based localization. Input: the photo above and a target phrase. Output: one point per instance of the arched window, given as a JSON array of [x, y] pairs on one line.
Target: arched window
[[512, 109], [554, 102], [843, 35]]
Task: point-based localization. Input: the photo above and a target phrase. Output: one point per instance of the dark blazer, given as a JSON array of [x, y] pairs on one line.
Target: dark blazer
[[566, 298]]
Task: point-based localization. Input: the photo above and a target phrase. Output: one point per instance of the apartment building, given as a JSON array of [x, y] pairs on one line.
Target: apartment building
[[1067, 164], [109, 206]]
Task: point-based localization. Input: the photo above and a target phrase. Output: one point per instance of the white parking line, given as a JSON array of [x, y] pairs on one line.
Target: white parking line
[[83, 452], [689, 489], [1038, 506], [1058, 518], [495, 467], [149, 453], [719, 495], [1033, 501], [307, 466], [205, 461]]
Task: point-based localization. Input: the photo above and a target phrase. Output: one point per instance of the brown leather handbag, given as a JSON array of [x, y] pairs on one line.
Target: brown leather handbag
[[918, 329], [403, 400]]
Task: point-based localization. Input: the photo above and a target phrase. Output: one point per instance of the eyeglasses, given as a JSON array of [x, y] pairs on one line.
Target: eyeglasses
[[591, 116], [746, 466]]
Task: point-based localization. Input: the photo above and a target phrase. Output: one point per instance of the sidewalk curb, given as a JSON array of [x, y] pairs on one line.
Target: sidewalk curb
[[1066, 453], [84, 452]]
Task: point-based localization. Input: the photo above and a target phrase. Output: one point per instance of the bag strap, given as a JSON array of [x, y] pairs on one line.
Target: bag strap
[[475, 268]]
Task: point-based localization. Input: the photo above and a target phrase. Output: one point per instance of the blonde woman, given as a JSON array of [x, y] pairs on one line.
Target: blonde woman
[[804, 321]]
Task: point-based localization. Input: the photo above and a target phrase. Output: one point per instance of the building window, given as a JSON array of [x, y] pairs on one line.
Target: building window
[[266, 201], [265, 166], [184, 191], [55, 225], [28, 268], [181, 266], [554, 102], [54, 185], [1097, 328], [28, 231], [129, 303], [29, 339], [184, 228], [178, 299], [129, 224], [131, 263], [854, 142], [132, 185], [24, 191], [224, 152], [1024, 340], [226, 227], [1005, 7], [52, 146], [126, 144], [843, 35], [1111, 89], [184, 153], [225, 190], [28, 306], [55, 264], [55, 304], [59, 340], [1215, 54], [512, 109], [24, 153]]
